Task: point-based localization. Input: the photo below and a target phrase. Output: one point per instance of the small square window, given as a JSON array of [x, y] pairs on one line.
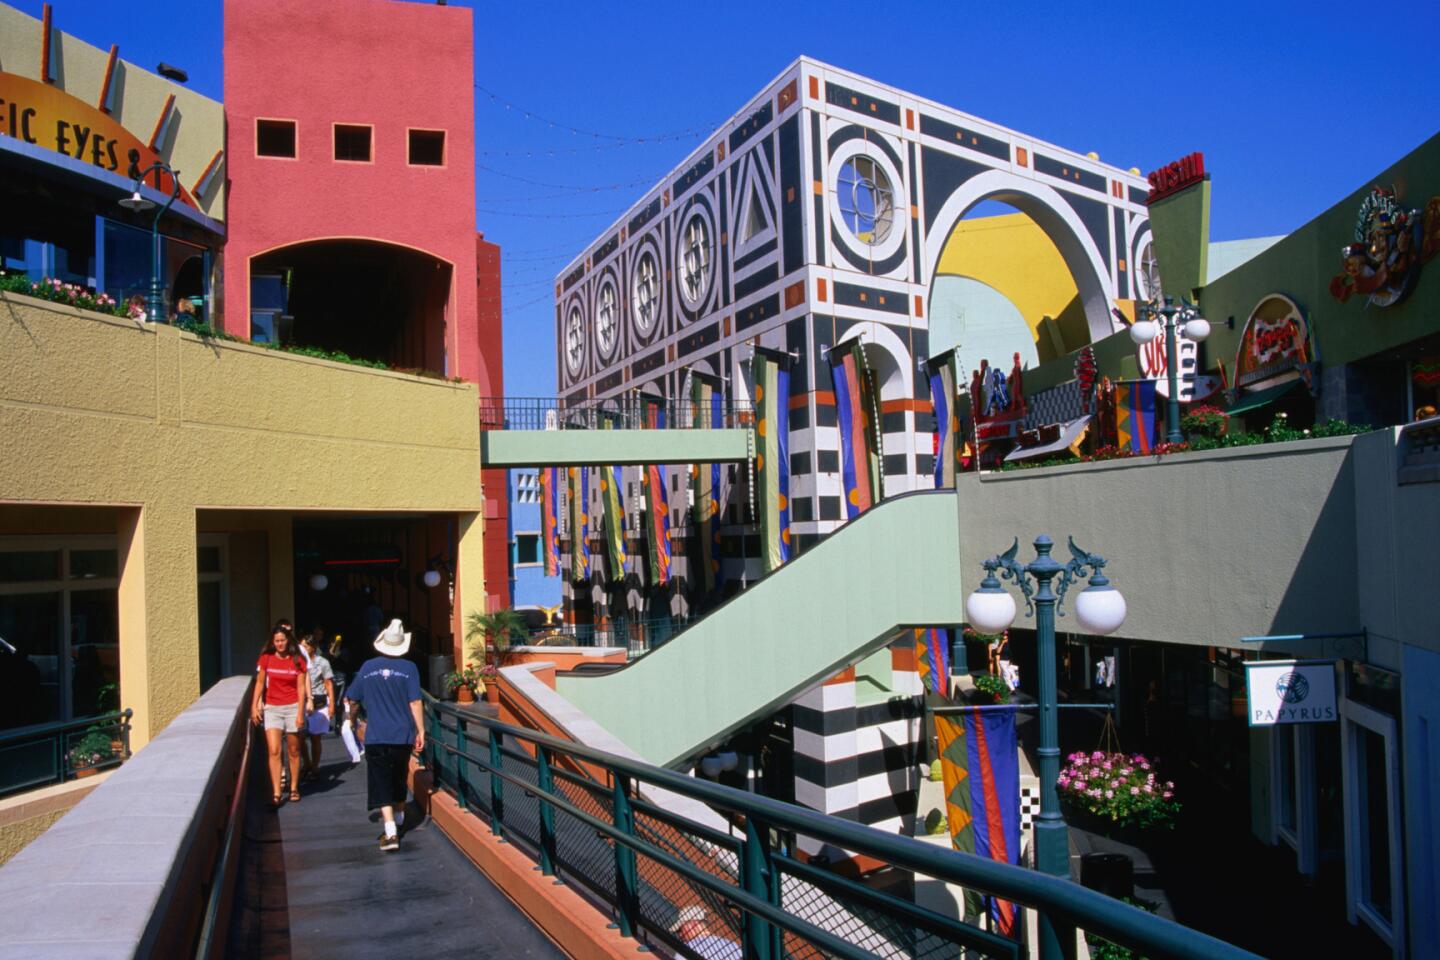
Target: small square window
[[427, 148], [275, 138], [352, 143], [527, 549]]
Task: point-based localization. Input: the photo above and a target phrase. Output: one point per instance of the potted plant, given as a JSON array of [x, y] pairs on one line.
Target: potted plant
[[992, 689], [490, 676], [491, 634], [465, 683], [89, 752], [1117, 791]]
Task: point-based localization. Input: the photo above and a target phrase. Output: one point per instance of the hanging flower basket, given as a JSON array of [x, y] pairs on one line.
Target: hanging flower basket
[[1120, 789]]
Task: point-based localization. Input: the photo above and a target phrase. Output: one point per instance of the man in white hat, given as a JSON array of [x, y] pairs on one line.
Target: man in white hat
[[388, 686]]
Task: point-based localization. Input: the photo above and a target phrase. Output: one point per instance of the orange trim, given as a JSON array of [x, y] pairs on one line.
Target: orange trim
[[902, 657], [814, 88], [821, 291], [795, 294], [919, 306], [109, 77], [1022, 157], [160, 122], [45, 45], [797, 402], [209, 168], [844, 676], [825, 398], [909, 119], [904, 405]]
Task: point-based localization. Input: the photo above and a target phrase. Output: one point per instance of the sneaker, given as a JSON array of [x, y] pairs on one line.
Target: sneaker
[[388, 842]]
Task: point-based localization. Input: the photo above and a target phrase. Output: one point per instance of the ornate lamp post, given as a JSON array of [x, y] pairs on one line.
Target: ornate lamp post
[[1100, 609], [155, 302], [1170, 316]]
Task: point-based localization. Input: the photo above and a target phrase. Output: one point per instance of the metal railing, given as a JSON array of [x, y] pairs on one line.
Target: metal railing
[[51, 753], [580, 814], [629, 412], [639, 635]]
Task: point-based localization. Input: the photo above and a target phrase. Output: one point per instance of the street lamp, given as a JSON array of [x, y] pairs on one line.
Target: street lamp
[[1169, 316], [1099, 609], [135, 203]]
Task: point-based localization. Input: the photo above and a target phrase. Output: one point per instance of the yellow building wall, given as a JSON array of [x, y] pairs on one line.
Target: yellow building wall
[[198, 132], [157, 423], [1012, 254]]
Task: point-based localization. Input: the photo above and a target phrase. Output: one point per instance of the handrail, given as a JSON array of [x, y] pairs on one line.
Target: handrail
[[42, 730], [628, 412], [1065, 902], [220, 887]]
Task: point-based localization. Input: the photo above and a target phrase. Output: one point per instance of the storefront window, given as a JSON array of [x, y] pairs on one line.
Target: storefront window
[[127, 267]]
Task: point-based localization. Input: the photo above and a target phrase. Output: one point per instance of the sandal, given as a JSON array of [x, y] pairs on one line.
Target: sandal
[[275, 801], [294, 796]]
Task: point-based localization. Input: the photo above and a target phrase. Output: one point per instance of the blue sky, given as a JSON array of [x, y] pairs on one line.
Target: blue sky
[[1293, 104]]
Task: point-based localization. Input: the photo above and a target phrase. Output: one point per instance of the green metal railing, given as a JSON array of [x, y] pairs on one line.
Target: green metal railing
[[639, 635], [583, 817], [628, 412], [51, 753]]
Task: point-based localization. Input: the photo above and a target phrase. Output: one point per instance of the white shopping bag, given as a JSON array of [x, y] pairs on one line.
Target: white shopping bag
[[348, 735], [1010, 673], [318, 722]]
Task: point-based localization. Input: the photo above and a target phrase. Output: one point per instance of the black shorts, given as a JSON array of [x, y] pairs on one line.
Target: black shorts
[[387, 769]]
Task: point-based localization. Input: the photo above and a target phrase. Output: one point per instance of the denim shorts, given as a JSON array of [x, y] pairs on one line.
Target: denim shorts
[[285, 717]]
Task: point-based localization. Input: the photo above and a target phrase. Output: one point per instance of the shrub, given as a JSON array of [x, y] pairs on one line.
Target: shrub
[[993, 687], [1119, 787], [1204, 421], [91, 750], [57, 291]]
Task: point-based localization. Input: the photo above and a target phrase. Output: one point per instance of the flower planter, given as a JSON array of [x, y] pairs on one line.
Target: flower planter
[[86, 772], [492, 693], [463, 694]]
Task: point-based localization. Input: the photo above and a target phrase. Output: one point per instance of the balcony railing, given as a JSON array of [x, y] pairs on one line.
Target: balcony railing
[[581, 814], [638, 635], [51, 753], [631, 412]]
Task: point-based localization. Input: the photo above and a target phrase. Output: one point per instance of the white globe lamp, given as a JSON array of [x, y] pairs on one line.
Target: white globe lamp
[[711, 766], [319, 582], [431, 578], [1197, 329], [991, 608], [1143, 331], [1100, 608]]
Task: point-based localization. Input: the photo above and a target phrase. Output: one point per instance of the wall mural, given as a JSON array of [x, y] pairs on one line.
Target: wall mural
[[1391, 245]]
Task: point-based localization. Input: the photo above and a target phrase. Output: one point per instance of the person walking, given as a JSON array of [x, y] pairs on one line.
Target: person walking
[[322, 701], [280, 704], [388, 687]]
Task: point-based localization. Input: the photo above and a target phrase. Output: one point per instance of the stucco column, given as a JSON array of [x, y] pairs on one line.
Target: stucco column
[[159, 615], [280, 552], [469, 574]]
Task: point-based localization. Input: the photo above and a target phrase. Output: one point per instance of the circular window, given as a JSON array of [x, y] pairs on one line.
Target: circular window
[[695, 258], [645, 294], [574, 340], [866, 199], [607, 324], [1147, 275]]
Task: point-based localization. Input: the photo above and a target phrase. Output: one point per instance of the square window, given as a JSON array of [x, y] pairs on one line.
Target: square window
[[275, 138], [352, 142], [527, 549], [427, 148]]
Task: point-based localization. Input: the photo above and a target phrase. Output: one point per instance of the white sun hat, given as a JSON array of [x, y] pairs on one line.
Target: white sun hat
[[393, 641]]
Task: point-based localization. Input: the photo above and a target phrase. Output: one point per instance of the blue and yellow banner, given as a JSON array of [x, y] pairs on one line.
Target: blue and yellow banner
[[981, 772], [1136, 421], [771, 376], [657, 523], [611, 479], [550, 519], [579, 523], [943, 386]]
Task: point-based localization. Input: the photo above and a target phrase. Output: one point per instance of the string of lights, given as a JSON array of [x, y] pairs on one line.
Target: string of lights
[[532, 215], [593, 134], [539, 153], [574, 188]]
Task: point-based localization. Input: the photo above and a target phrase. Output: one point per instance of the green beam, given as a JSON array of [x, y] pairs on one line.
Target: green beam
[[578, 448], [895, 566]]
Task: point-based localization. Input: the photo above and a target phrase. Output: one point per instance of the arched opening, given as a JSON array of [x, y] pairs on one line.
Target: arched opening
[[369, 300], [1013, 270]]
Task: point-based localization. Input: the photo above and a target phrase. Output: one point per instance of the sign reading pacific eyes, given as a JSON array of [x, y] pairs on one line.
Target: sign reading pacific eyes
[[48, 117], [1290, 691]]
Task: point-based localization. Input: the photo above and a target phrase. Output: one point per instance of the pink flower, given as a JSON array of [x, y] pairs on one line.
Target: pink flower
[[1107, 764], [1169, 785], [1134, 791], [1167, 794], [1079, 784], [1109, 794], [1098, 755], [1149, 789]]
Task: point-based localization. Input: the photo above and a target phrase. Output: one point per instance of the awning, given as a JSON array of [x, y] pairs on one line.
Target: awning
[[1258, 399], [1069, 433]]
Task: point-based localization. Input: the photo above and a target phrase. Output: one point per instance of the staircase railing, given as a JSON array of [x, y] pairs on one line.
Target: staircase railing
[[582, 815]]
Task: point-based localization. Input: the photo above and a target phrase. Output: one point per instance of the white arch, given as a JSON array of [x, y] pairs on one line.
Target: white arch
[[1058, 219], [894, 387]]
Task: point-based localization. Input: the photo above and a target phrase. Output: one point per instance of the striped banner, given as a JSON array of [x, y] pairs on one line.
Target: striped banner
[[1136, 423], [550, 519], [943, 385], [657, 522], [846, 371], [771, 373], [981, 772], [611, 480], [705, 486], [932, 658]]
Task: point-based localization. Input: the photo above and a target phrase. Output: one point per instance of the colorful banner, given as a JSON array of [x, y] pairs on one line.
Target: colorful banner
[[932, 659], [705, 485], [943, 385], [579, 523], [550, 519], [611, 479], [657, 523], [1136, 423], [853, 411], [771, 377], [981, 774]]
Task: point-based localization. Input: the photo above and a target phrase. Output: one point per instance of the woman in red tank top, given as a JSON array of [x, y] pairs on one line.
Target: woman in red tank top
[[282, 696]]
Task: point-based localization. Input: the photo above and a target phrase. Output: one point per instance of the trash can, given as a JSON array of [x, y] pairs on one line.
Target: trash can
[[1112, 874], [439, 666]]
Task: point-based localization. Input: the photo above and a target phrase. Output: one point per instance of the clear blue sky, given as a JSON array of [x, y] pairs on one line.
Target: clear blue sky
[[1293, 104]]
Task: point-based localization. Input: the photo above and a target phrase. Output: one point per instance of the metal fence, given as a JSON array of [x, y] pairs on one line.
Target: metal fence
[[630, 412], [49, 753], [639, 635], [581, 814]]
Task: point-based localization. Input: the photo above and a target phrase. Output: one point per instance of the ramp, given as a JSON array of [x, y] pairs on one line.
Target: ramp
[[895, 566]]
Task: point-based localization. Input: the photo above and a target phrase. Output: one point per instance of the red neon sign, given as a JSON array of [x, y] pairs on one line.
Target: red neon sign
[[1176, 176]]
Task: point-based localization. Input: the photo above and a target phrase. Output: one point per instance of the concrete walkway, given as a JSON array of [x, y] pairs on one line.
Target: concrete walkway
[[314, 884]]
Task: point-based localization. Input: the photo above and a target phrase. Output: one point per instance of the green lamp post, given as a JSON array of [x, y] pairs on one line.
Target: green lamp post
[[1170, 316], [1099, 609], [137, 203]]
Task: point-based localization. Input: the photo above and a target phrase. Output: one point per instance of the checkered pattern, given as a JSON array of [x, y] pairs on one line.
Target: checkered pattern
[[1029, 802], [1057, 405]]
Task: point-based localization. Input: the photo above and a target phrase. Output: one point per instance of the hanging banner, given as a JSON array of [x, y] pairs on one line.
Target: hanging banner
[[610, 481], [981, 774], [707, 403], [932, 659], [579, 523], [550, 519], [770, 371], [1290, 691], [853, 403], [657, 523], [1136, 424], [943, 386]]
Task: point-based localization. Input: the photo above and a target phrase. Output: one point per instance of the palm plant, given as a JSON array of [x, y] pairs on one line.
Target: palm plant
[[493, 631]]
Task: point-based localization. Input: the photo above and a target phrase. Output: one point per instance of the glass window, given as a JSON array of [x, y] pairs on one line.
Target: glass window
[[352, 143], [30, 678], [275, 138], [29, 566], [127, 261], [94, 651], [208, 559], [867, 203], [695, 260], [427, 148], [645, 294], [607, 326], [527, 549], [574, 341], [93, 564]]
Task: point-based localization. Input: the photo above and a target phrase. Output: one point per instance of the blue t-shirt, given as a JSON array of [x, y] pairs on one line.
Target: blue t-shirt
[[385, 687]]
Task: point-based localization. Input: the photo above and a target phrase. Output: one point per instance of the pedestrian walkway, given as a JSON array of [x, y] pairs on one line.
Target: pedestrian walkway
[[314, 884]]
